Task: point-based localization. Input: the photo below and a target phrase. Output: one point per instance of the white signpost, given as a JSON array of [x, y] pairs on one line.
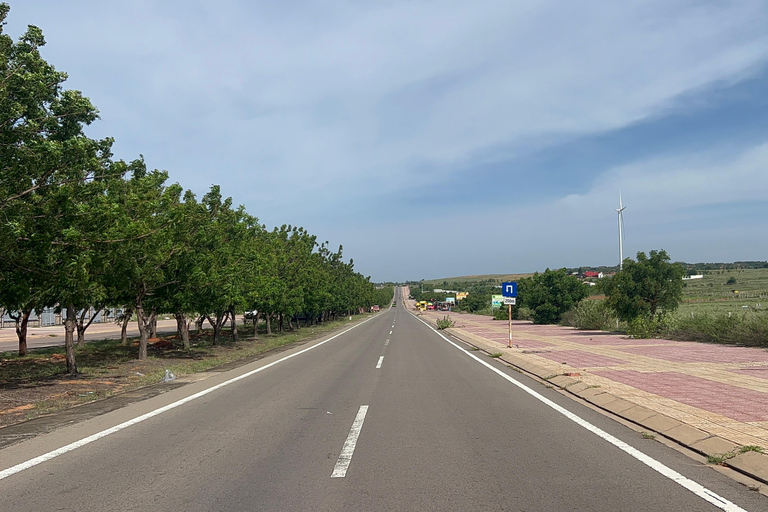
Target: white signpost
[[509, 291]]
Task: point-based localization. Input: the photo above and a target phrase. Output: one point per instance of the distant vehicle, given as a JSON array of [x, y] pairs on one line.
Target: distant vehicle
[[394, 304], [375, 309], [251, 314]]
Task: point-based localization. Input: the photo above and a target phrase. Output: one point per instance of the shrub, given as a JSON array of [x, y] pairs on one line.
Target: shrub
[[748, 328], [550, 294], [568, 318], [523, 313], [591, 315], [444, 323], [646, 327]]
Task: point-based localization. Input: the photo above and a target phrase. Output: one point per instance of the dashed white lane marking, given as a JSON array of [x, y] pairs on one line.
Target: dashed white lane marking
[[381, 360], [390, 332], [695, 487], [386, 343], [104, 433], [345, 457]]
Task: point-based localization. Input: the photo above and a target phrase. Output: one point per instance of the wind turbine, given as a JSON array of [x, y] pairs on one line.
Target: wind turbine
[[620, 211]]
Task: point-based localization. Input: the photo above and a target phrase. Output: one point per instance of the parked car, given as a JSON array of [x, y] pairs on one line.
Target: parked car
[[250, 315], [375, 309]]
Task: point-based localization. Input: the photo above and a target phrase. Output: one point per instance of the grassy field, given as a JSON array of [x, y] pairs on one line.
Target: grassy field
[[726, 291]]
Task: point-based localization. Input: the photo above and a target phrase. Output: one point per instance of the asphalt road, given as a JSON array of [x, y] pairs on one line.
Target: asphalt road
[[386, 416]]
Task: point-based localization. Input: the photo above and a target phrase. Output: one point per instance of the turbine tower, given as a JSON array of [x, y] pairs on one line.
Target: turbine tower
[[620, 211]]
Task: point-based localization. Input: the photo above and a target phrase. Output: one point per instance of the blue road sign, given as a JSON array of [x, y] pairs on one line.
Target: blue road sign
[[509, 289]]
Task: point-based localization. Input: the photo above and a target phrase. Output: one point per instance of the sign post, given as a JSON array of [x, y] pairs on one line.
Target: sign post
[[509, 292]]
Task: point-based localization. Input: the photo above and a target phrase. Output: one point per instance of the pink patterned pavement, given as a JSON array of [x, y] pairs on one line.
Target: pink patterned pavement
[[720, 389]]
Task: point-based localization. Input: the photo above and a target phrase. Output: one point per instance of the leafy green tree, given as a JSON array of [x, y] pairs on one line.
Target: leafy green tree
[[648, 287], [46, 165], [550, 294]]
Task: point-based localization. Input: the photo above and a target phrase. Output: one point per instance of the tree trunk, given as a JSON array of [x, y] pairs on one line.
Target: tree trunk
[[182, 329], [82, 326], [127, 314], [256, 326], [143, 324], [233, 322], [280, 323], [22, 322], [216, 323], [153, 325], [268, 322], [199, 324], [69, 338]]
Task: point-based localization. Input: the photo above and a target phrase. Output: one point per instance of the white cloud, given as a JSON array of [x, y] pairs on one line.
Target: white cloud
[[301, 108]]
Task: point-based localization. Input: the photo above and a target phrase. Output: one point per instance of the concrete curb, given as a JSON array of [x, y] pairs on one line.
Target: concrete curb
[[751, 463]]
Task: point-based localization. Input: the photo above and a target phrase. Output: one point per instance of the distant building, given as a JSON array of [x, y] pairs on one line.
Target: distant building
[[590, 273]]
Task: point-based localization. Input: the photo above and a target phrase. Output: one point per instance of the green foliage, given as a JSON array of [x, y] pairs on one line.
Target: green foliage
[[648, 287], [731, 280], [475, 302], [644, 327], [550, 294], [444, 323], [80, 229], [590, 315], [522, 313], [747, 328]]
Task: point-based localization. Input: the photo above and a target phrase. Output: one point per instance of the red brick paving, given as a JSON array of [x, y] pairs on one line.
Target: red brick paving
[[579, 359], [690, 352], [732, 401], [753, 372]]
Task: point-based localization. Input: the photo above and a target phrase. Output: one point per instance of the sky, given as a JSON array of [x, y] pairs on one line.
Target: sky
[[436, 139]]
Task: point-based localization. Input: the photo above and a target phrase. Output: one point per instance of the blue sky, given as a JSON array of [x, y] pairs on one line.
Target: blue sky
[[435, 138]]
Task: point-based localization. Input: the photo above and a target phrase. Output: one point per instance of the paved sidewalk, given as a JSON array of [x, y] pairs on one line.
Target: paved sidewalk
[[720, 391], [53, 335]]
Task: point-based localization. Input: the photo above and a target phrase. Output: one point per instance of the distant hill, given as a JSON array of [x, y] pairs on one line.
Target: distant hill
[[690, 267], [497, 278]]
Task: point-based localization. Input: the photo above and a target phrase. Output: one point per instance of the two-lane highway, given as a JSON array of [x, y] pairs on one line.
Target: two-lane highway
[[386, 416]]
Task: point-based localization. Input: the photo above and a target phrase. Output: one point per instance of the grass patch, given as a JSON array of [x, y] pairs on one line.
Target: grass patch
[[718, 459], [647, 435], [495, 354], [751, 448]]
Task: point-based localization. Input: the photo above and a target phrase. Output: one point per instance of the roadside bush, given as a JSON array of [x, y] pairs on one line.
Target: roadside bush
[[568, 319], [644, 327], [550, 294], [522, 313], [590, 315], [748, 328], [444, 323], [518, 313]]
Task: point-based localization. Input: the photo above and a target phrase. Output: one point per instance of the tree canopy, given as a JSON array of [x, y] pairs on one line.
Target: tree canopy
[[648, 287], [81, 229]]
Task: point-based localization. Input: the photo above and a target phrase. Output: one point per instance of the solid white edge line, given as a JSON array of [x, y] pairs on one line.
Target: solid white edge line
[[94, 437], [381, 360], [345, 457], [695, 487]]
